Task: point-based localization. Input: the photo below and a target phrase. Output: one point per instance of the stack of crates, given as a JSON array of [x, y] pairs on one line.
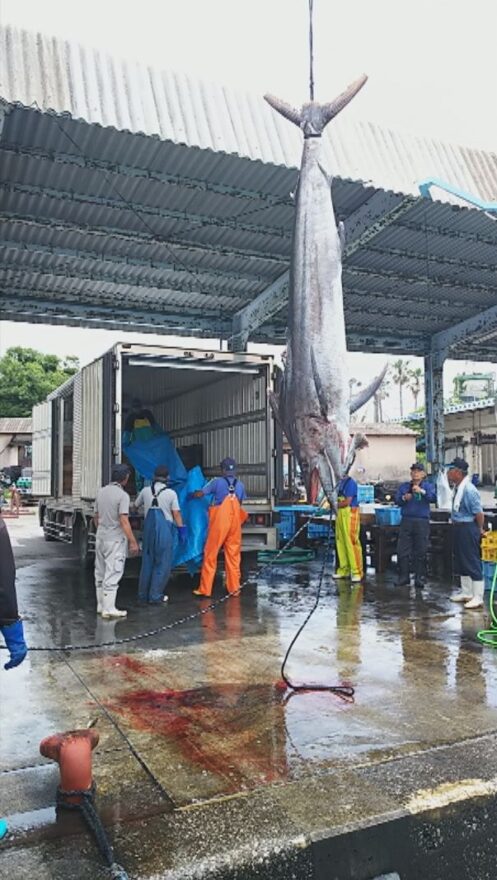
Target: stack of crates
[[365, 494], [287, 526], [489, 557], [288, 518]]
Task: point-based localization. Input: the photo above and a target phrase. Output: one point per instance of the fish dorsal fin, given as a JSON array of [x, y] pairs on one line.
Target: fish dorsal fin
[[323, 403], [366, 394], [333, 108]]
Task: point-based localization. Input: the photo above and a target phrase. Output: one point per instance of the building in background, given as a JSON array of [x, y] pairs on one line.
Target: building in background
[[390, 454], [15, 443], [471, 432]]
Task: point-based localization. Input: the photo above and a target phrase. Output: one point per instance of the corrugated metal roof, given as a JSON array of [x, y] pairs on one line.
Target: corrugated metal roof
[[15, 426], [56, 75], [136, 199]]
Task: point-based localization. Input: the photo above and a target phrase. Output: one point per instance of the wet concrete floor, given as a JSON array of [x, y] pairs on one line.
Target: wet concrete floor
[[207, 764]]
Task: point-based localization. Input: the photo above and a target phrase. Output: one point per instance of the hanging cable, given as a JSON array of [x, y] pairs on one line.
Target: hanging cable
[[311, 51]]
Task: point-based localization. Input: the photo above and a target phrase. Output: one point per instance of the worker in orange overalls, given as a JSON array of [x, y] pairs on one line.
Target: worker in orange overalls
[[226, 517]]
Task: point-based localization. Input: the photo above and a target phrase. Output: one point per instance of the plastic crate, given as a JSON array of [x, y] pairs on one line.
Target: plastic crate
[[287, 525], [488, 573], [388, 516], [489, 554], [365, 494], [318, 531]]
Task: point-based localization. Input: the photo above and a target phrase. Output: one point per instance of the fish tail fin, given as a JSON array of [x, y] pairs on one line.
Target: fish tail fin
[[285, 109], [366, 394], [333, 108], [313, 117]]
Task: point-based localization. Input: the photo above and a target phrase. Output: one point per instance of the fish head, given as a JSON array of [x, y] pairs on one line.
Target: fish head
[[321, 452]]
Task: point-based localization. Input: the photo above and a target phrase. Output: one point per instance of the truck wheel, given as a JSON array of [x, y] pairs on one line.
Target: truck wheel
[[80, 541], [46, 534]]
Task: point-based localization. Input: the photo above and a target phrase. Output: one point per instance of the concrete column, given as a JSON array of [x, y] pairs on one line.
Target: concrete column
[[434, 408]]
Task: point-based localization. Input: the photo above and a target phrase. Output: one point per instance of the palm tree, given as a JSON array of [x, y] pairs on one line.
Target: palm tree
[[400, 375], [415, 384], [381, 394]]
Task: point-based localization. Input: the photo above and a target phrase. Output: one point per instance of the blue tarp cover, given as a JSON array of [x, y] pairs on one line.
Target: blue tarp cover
[[145, 455]]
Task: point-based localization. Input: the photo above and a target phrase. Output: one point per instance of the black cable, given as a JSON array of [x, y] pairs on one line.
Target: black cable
[[346, 692], [311, 51], [87, 808]]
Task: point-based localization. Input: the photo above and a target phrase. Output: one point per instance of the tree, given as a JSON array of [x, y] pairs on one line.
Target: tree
[[27, 376], [381, 395], [415, 384], [400, 375]]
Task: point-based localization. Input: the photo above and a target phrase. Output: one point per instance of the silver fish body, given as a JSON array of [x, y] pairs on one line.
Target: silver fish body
[[314, 403]]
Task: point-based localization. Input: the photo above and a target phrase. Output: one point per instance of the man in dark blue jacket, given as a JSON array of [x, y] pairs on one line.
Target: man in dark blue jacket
[[414, 498]]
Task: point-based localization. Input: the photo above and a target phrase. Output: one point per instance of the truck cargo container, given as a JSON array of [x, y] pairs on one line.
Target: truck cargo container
[[210, 403]]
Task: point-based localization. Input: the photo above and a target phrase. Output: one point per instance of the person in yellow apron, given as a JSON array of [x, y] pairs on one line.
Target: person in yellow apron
[[349, 550], [226, 517]]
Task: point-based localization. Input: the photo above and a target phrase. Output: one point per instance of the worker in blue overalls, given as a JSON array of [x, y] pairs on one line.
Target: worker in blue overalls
[[468, 527], [162, 513]]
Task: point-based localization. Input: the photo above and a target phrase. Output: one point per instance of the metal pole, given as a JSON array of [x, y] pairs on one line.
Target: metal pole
[[434, 409]]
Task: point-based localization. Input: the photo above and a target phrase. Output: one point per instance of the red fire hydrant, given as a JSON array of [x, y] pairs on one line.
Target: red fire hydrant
[[72, 751]]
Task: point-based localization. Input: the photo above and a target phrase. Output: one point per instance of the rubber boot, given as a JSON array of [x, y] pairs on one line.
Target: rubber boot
[[99, 591], [109, 609], [466, 591], [477, 600], [13, 634]]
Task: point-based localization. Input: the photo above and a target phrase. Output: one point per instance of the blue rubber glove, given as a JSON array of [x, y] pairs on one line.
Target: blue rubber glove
[[183, 534], [14, 639]]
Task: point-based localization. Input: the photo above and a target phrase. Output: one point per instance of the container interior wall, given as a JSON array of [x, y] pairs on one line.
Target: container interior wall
[[226, 415], [91, 429], [42, 449]]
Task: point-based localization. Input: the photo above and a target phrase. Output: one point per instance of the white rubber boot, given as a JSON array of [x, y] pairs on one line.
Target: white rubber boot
[[109, 609], [466, 592], [99, 591], [478, 591]]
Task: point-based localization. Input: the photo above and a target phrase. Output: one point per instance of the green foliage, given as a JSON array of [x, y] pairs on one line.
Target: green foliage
[[27, 376]]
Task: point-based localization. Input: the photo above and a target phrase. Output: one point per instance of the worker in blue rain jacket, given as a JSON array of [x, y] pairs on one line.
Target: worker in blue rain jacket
[[162, 513], [226, 517], [414, 498], [10, 623]]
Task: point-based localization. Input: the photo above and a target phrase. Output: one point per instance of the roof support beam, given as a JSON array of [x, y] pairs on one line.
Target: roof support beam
[[120, 203], [115, 169], [60, 311], [358, 339], [173, 245], [482, 326], [379, 211], [104, 257]]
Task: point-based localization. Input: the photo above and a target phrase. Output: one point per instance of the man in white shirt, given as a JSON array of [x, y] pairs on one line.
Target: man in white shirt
[[162, 511], [114, 536]]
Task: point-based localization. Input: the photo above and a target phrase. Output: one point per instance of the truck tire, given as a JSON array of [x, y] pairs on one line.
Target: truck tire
[[80, 541], [46, 535]]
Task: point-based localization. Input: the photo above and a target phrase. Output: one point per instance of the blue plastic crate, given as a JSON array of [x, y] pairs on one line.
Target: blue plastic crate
[[388, 516], [365, 494], [287, 525], [318, 531], [488, 573]]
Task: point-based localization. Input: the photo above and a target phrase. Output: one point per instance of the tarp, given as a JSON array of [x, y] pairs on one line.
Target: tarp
[[145, 455]]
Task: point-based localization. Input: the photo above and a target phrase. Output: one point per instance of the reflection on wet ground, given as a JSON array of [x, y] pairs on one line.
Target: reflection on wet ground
[[203, 704]]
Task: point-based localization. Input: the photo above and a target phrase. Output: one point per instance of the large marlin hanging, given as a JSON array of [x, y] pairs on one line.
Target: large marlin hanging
[[314, 404]]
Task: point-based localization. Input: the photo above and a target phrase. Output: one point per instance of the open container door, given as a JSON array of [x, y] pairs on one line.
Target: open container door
[[42, 450], [212, 405]]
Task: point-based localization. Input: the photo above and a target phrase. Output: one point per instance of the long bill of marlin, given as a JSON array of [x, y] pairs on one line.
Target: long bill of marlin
[[314, 404]]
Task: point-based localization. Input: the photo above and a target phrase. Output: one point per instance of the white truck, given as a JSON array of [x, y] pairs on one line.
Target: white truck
[[210, 403]]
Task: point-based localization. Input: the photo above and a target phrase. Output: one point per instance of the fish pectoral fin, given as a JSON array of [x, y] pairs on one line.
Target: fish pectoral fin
[[323, 403], [333, 108], [285, 109], [367, 393]]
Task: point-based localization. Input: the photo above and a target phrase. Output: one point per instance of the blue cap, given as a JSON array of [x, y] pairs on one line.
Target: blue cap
[[228, 465], [458, 464]]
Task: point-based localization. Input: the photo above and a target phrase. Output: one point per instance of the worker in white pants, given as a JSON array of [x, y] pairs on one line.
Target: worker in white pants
[[114, 537]]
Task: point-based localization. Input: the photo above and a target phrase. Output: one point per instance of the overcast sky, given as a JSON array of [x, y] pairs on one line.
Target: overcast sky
[[431, 67]]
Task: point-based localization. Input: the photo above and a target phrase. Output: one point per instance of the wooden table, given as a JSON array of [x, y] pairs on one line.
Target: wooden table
[[380, 544]]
